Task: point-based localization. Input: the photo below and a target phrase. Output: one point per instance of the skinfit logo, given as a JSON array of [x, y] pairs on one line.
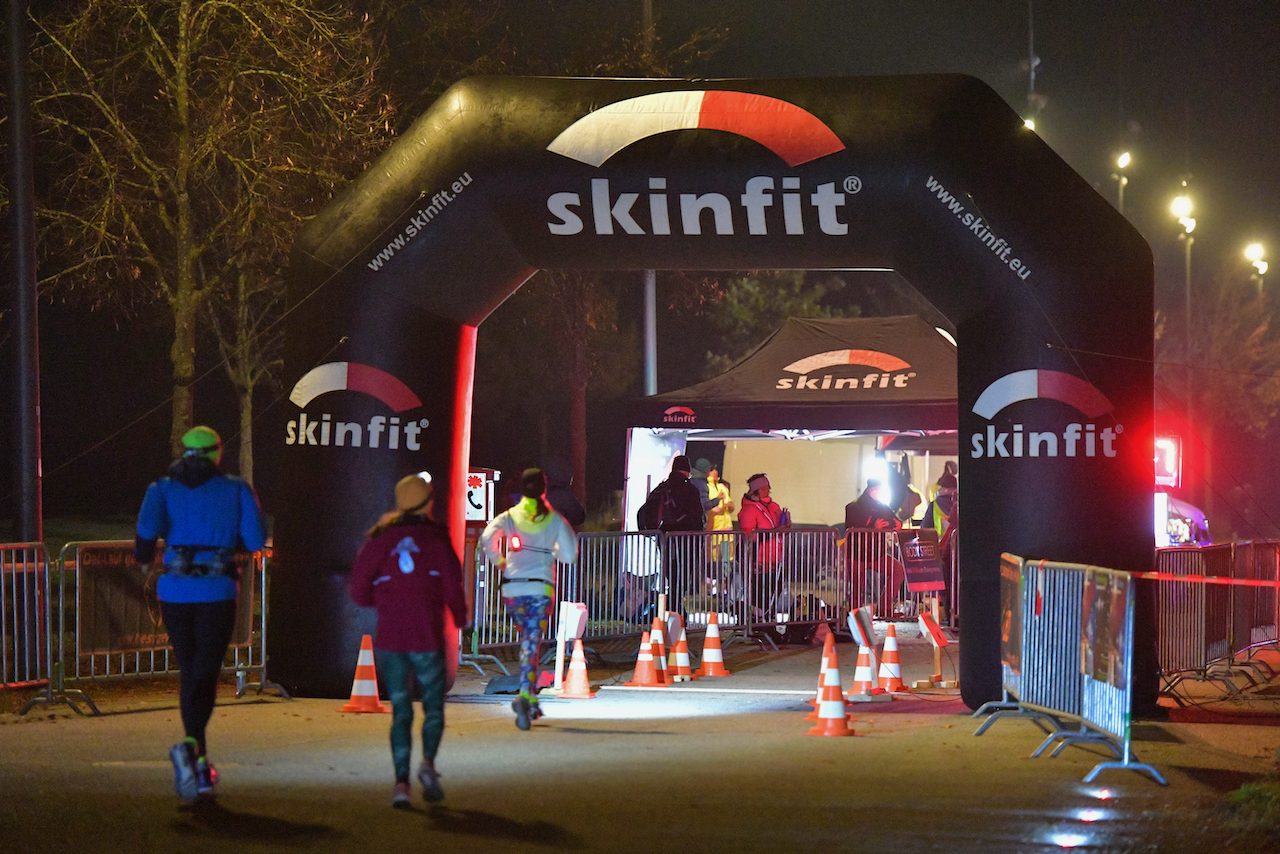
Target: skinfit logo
[[792, 133], [679, 415], [1078, 439], [368, 380], [890, 371]]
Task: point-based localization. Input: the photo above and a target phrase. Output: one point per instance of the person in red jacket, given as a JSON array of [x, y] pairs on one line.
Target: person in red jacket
[[760, 514], [407, 570]]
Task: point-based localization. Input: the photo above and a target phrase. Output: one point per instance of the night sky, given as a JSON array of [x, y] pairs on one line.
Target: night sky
[[1188, 88]]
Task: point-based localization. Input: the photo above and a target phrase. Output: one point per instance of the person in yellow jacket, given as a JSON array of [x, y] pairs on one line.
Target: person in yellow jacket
[[526, 542]]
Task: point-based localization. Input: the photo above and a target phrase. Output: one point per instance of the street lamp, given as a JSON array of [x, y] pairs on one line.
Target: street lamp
[[1121, 179], [1182, 208], [1253, 254]]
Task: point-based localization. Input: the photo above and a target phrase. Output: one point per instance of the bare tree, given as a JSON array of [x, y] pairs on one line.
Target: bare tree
[[186, 140], [1230, 371]]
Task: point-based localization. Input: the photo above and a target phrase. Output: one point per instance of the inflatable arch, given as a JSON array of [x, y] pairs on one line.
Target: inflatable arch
[[1049, 289]]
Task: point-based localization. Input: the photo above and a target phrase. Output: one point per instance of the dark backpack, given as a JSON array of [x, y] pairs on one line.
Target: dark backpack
[[658, 506]]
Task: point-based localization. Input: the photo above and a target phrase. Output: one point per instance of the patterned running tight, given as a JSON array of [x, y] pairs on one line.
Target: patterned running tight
[[531, 614]]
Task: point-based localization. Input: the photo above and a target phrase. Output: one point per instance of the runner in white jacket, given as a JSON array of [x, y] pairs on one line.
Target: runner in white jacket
[[527, 541]]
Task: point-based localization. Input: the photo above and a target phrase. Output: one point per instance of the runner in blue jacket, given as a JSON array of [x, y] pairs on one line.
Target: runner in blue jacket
[[204, 517]]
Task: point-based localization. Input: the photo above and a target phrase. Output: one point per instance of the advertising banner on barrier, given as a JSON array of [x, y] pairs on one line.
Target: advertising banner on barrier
[[1011, 612], [1102, 653], [118, 607], [922, 559]]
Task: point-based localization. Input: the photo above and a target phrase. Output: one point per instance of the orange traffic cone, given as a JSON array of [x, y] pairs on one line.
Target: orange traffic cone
[[832, 717], [712, 653], [864, 678], [828, 646], [659, 643], [683, 672], [646, 675], [364, 689], [890, 664], [577, 686]]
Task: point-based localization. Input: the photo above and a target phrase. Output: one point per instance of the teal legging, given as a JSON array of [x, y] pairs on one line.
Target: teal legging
[[395, 668], [531, 614]]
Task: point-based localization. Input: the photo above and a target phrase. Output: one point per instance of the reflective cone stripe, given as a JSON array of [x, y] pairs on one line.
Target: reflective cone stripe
[[828, 647], [675, 626], [712, 652], [364, 688], [833, 719], [646, 675], [658, 641], [890, 664], [864, 680], [577, 684], [683, 672]]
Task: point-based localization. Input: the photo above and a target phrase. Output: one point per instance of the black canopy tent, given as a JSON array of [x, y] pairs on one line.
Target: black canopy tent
[[874, 374]]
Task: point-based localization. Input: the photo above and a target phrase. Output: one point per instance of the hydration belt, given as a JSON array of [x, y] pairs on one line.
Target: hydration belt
[[182, 562]]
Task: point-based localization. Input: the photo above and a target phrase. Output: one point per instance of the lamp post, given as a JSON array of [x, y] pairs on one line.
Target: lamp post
[[1121, 179], [1182, 208], [1254, 253]]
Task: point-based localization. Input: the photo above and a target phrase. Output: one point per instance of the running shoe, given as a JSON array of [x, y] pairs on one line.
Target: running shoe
[[400, 800], [535, 712], [183, 757], [206, 776], [429, 777], [521, 707]]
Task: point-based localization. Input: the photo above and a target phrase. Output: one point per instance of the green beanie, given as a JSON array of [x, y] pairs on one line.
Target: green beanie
[[202, 441]]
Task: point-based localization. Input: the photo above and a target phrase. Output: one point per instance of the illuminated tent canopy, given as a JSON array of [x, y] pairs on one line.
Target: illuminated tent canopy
[[874, 373]]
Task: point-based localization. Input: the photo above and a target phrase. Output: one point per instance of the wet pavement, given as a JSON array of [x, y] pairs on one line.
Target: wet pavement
[[718, 765]]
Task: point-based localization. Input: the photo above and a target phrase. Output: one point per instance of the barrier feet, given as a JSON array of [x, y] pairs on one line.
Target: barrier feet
[[1080, 736], [56, 693], [1020, 712], [1129, 765]]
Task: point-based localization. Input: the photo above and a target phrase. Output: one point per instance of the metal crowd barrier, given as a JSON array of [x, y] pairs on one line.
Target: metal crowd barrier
[[1042, 681], [1067, 654], [878, 576], [757, 584], [1204, 629], [24, 615], [108, 622]]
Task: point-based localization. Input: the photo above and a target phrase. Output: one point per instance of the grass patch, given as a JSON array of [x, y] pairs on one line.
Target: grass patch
[[1256, 805]]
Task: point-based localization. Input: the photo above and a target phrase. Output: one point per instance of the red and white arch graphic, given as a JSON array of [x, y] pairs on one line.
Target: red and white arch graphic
[[353, 376], [833, 358], [1050, 385], [792, 133]]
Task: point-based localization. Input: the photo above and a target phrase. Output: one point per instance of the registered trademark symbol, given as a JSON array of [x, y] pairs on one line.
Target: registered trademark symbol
[[424, 422], [1119, 428], [852, 184]]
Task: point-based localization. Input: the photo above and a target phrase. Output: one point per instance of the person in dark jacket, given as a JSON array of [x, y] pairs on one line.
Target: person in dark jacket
[[869, 510], [700, 478], [204, 517], [681, 504], [682, 508], [407, 570], [879, 575], [559, 494]]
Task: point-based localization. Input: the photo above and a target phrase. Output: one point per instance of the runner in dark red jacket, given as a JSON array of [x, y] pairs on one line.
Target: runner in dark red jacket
[[408, 570]]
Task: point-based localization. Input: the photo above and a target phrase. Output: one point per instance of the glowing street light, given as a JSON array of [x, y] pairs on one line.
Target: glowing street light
[[1121, 179], [1254, 253], [1182, 208]]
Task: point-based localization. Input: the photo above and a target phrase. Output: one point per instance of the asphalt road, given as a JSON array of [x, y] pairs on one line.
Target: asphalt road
[[629, 771]]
